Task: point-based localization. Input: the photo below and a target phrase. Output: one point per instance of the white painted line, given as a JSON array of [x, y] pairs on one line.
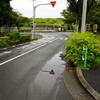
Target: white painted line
[[26, 46], [23, 47], [50, 41], [56, 38], [66, 38], [33, 43], [4, 48], [23, 54], [20, 44], [7, 52], [61, 38], [20, 55], [13, 46], [19, 48], [53, 40]]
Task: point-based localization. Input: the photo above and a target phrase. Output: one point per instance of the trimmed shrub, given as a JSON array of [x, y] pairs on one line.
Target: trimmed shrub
[[14, 36], [24, 38], [36, 38], [74, 49], [4, 42]]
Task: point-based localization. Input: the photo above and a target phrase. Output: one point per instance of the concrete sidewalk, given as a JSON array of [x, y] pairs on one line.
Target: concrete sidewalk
[[74, 86]]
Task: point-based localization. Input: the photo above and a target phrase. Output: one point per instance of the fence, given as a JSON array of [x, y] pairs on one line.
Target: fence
[[7, 29]]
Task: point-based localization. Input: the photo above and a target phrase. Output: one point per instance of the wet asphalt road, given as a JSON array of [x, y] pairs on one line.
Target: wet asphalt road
[[24, 70]]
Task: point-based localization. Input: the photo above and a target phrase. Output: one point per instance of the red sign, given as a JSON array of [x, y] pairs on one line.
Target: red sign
[[53, 3]]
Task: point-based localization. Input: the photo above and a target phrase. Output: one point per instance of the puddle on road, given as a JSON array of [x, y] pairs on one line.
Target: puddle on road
[[45, 81], [56, 64]]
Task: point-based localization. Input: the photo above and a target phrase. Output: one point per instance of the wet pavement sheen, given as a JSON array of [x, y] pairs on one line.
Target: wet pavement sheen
[[45, 81]]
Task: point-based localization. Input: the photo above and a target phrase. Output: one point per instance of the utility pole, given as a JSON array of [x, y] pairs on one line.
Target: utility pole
[[84, 16]]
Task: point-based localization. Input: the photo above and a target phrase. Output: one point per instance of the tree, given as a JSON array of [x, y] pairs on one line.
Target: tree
[[69, 17], [16, 19], [74, 10], [5, 9], [94, 15]]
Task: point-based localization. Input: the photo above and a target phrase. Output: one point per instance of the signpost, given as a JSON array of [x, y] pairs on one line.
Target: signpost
[[34, 17], [85, 56], [53, 3]]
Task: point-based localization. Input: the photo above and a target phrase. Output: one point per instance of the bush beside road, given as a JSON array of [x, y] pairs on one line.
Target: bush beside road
[[77, 42], [89, 77], [15, 38]]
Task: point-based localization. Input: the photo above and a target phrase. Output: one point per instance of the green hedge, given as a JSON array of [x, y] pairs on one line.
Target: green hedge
[[24, 38], [4, 42], [74, 49], [25, 29], [14, 38]]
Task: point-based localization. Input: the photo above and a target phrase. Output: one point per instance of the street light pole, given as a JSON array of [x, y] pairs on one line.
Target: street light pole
[[84, 16], [34, 17], [34, 22]]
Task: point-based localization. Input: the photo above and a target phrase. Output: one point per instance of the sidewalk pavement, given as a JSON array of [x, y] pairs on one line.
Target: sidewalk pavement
[[90, 79], [74, 86]]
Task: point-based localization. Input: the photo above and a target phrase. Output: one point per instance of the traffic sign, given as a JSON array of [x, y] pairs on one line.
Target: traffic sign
[[53, 3], [34, 21], [34, 25], [52, 72]]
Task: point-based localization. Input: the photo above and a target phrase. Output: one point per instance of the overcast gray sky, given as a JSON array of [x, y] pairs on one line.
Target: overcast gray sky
[[47, 11]]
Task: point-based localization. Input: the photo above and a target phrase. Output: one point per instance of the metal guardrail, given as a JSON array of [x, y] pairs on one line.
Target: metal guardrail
[[7, 29], [44, 31], [70, 30]]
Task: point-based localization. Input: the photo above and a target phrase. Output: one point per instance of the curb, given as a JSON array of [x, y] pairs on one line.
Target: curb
[[16, 45], [12, 46], [87, 86]]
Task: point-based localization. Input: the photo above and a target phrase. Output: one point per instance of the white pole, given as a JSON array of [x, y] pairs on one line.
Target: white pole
[[84, 16], [33, 33]]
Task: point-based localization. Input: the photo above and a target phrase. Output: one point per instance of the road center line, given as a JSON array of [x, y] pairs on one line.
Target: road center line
[[24, 53]]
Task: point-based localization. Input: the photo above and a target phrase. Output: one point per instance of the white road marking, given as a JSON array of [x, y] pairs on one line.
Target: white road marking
[[4, 48], [6, 52], [53, 40], [33, 43], [23, 47], [66, 38], [20, 44], [56, 38], [13, 46], [26, 46], [24, 53], [19, 48], [61, 38], [56, 92]]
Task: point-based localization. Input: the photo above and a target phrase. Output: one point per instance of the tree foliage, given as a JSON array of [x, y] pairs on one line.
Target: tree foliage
[[94, 15], [74, 10], [9, 17], [5, 10], [17, 19]]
